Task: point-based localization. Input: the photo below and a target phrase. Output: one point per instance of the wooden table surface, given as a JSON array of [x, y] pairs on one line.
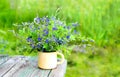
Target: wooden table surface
[[21, 66]]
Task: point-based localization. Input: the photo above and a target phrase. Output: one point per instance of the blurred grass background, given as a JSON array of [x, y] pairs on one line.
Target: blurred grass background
[[99, 20]]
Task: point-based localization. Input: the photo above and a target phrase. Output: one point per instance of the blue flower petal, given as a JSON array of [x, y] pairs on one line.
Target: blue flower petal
[[68, 37], [29, 39], [47, 41], [39, 39], [54, 28], [37, 20]]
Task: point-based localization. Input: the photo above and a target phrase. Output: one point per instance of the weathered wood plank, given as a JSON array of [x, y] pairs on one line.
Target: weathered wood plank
[[38, 72], [23, 62], [24, 72], [3, 59], [4, 68], [59, 71], [33, 61], [20, 66], [35, 73], [31, 70]]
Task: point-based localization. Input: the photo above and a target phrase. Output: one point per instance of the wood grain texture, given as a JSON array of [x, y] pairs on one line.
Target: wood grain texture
[[4, 68], [17, 66], [24, 72], [21, 66], [3, 59], [38, 72], [59, 71]]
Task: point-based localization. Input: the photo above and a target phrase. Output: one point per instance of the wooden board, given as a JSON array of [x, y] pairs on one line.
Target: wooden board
[[21, 66], [3, 59]]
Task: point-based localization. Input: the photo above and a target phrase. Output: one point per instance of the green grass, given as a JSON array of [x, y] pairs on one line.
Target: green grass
[[99, 65], [99, 20]]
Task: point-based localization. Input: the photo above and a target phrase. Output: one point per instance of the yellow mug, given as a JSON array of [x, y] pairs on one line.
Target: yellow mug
[[48, 60]]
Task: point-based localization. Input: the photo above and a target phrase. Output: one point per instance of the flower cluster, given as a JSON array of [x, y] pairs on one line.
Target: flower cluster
[[47, 34]]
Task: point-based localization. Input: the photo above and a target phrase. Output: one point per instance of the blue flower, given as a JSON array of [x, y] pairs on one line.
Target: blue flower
[[37, 20], [29, 39], [68, 27], [59, 42], [32, 45], [75, 31], [54, 28], [53, 18], [45, 32], [43, 19], [47, 20], [68, 37], [38, 46], [47, 41], [39, 39], [31, 26]]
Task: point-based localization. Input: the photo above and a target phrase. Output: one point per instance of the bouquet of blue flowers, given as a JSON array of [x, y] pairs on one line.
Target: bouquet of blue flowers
[[47, 34]]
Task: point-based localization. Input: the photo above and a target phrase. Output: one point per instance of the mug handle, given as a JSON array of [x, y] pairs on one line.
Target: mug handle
[[62, 56]]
